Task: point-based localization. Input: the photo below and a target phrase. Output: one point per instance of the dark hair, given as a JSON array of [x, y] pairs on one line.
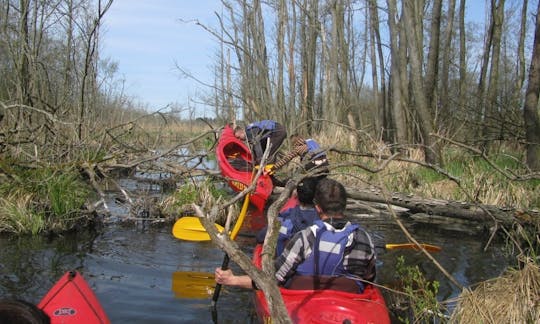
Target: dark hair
[[306, 190], [21, 312], [331, 196]]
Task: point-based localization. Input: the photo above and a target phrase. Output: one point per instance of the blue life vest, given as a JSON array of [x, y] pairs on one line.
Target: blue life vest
[[294, 220], [328, 252], [314, 150]]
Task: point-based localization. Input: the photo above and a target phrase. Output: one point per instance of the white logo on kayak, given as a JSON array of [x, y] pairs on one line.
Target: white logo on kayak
[[64, 311]]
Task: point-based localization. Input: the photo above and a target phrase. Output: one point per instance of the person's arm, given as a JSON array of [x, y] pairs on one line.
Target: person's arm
[[363, 264], [292, 256], [228, 278], [298, 150]]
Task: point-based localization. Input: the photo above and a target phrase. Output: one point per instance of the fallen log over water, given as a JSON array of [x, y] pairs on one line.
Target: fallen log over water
[[435, 210]]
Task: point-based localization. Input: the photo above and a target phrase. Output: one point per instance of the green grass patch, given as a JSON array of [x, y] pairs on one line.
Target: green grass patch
[[178, 202], [42, 199]]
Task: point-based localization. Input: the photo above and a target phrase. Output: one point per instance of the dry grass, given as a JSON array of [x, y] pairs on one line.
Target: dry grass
[[511, 298], [477, 180], [16, 215]]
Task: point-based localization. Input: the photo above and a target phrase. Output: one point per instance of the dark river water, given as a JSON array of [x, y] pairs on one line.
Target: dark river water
[[131, 267]]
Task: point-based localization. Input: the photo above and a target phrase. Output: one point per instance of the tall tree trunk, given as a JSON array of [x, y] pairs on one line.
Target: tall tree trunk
[[520, 73], [531, 112], [493, 102], [445, 69], [280, 39], [481, 92], [382, 123], [24, 96], [310, 33], [291, 32], [262, 77], [419, 97], [462, 58], [337, 67], [396, 86], [432, 66]]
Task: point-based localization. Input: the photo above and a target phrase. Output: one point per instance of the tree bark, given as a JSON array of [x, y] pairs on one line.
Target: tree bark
[[531, 112], [520, 73], [423, 112], [445, 69], [396, 86], [310, 33]]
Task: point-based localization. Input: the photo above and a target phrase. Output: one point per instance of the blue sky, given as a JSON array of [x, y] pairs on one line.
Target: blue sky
[[149, 38]]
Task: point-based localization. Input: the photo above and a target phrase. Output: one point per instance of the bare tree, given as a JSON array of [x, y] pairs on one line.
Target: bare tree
[[531, 112], [398, 102], [309, 30], [420, 100], [445, 69]]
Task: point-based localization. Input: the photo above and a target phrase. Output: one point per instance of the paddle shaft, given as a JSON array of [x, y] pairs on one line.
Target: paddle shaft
[[224, 266]]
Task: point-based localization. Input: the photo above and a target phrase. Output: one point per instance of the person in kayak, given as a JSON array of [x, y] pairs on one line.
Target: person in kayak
[[257, 135], [296, 218], [331, 252], [311, 156]]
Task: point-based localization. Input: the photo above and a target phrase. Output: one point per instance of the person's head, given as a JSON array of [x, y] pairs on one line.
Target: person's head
[[20, 311], [330, 197], [240, 133], [305, 191]]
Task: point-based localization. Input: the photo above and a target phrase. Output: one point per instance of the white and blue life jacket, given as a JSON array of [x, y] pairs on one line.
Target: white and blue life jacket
[[328, 252]]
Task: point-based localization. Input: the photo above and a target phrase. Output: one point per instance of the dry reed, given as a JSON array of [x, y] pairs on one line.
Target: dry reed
[[512, 298]]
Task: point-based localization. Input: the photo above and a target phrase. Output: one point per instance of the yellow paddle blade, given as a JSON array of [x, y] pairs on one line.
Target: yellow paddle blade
[[189, 228], [428, 247], [197, 285]]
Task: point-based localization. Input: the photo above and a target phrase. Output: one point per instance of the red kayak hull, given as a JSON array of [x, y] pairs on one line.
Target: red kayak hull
[[229, 147], [326, 306], [72, 301]]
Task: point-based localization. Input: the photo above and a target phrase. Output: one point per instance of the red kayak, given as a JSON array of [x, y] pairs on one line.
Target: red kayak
[[72, 301], [235, 162], [326, 306]]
